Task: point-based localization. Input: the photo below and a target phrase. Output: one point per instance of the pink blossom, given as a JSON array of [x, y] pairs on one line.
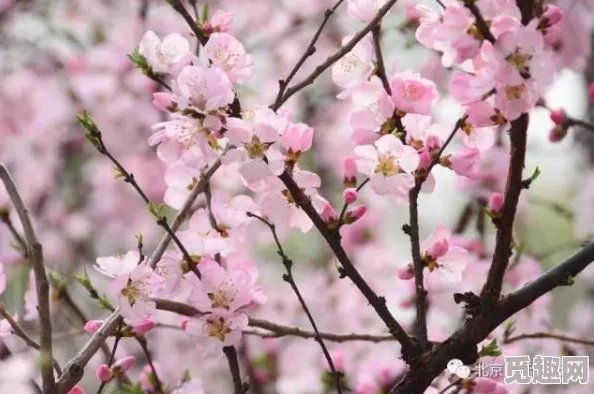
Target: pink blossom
[[143, 326], [339, 359], [406, 273], [354, 214], [328, 213], [501, 389], [278, 205], [228, 53], [374, 116], [439, 255], [389, 165], [214, 331], [296, 139], [591, 91], [350, 195], [464, 162], [170, 268], [188, 132], [162, 56], [104, 373], [92, 326], [204, 88], [355, 67], [134, 291], [220, 290], [113, 266], [364, 10], [413, 94], [515, 96], [221, 21]]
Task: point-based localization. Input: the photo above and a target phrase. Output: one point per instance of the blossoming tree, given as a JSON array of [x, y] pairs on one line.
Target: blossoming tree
[[244, 200]]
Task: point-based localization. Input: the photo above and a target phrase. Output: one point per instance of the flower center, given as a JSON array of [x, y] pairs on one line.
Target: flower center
[[222, 297], [412, 92], [255, 148], [218, 328], [514, 92], [135, 290], [387, 166]]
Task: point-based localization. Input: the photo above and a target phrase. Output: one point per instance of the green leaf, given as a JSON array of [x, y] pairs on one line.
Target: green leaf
[[156, 210], [139, 61], [84, 280], [509, 329], [491, 350], [105, 304], [91, 130], [205, 13], [130, 388]]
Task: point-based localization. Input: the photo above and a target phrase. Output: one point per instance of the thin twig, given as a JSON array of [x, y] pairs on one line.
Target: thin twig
[[311, 49], [481, 24], [288, 277], [549, 335], [179, 7], [335, 57], [35, 251], [111, 358], [5, 218]]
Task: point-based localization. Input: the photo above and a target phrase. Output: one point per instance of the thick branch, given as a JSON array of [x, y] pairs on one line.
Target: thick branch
[[42, 284], [231, 354]]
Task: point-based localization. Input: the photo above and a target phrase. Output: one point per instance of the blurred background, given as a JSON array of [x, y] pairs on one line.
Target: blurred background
[[58, 57]]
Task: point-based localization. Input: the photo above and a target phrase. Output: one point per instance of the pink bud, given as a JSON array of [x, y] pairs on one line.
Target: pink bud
[[425, 159], [338, 359], [143, 326], [558, 116], [92, 326], [103, 373], [484, 386], [261, 376], [163, 101], [328, 213], [552, 14], [496, 202], [207, 28], [76, 390], [123, 364], [350, 172], [557, 133], [147, 377], [355, 214], [406, 273], [184, 324], [591, 91], [350, 195], [438, 248]]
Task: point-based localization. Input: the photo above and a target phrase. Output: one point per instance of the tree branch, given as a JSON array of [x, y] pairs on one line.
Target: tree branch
[[231, 354], [492, 288], [35, 252], [311, 49], [381, 68], [549, 335]]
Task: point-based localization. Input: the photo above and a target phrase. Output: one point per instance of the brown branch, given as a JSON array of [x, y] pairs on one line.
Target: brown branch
[[481, 24], [492, 288], [335, 57], [311, 49], [548, 335], [409, 348], [35, 251], [179, 7], [143, 345]]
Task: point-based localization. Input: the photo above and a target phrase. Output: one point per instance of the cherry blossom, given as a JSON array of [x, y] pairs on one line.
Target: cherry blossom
[[440, 256], [213, 331], [162, 56], [413, 94], [390, 166], [228, 53]]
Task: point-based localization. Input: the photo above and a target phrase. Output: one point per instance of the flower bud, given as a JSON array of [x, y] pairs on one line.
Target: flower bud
[[103, 373], [495, 202], [558, 116], [76, 390], [591, 92], [92, 326], [557, 133], [328, 213], [354, 214], [350, 172], [142, 327], [406, 272], [163, 101], [350, 195], [122, 365], [552, 15]]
